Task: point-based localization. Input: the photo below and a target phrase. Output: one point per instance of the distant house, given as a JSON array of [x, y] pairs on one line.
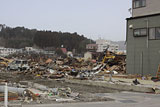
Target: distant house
[[92, 47], [49, 51], [64, 50], [8, 51]]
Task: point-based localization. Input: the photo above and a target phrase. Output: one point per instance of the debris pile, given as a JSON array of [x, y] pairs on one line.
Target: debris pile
[[57, 67], [36, 92]]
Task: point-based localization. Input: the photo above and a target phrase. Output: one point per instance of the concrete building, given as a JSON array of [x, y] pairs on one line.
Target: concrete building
[[38, 51], [8, 51], [145, 7], [113, 47], [103, 44], [143, 37]]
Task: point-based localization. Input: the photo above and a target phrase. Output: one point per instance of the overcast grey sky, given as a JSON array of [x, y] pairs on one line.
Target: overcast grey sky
[[92, 18]]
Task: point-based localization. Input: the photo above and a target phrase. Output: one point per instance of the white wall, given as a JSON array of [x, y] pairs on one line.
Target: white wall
[[7, 51], [87, 55], [103, 44]]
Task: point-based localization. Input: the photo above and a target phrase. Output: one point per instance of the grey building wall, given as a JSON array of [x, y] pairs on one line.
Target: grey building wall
[[143, 55], [152, 7]]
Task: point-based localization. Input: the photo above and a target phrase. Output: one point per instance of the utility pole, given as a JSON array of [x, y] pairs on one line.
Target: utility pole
[[6, 95]]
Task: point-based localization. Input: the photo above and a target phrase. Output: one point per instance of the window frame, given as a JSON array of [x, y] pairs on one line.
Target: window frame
[[140, 1], [149, 33], [154, 35], [140, 32]]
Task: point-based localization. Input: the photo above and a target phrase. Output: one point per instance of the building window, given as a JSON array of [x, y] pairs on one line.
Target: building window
[[140, 32], [157, 33], [139, 3], [154, 33]]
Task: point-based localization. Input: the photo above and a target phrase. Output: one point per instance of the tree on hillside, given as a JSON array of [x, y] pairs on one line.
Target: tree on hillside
[[21, 37]]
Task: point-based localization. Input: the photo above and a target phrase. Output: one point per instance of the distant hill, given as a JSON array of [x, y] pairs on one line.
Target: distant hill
[[20, 37]]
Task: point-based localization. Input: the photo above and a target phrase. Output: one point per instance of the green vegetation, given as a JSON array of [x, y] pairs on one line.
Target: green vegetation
[[21, 37]]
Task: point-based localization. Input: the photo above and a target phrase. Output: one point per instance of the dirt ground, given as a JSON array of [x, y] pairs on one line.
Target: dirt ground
[[86, 93], [13, 77]]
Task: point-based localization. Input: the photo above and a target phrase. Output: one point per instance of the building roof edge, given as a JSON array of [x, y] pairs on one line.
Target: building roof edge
[[143, 16]]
